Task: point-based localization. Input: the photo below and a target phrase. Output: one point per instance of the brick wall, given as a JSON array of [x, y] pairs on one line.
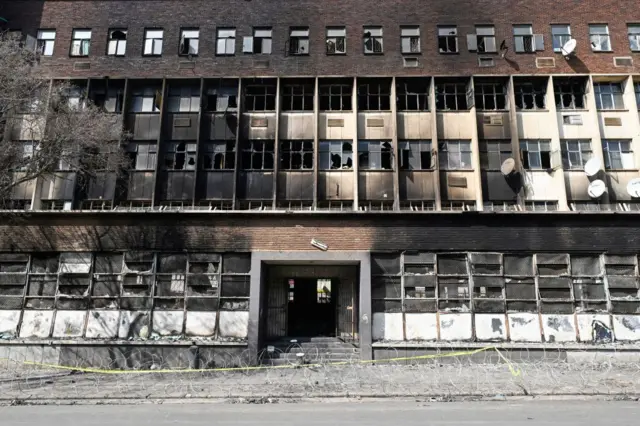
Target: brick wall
[[207, 15]]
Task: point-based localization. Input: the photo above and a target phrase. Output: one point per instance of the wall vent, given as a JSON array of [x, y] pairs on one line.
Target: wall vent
[[613, 121], [545, 62], [335, 122], [375, 122], [410, 62], [574, 120], [486, 62], [78, 66], [457, 181], [259, 122], [622, 61], [492, 120]]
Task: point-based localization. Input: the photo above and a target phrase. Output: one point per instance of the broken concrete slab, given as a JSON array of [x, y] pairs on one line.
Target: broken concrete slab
[[594, 328], [421, 326], [201, 324], [36, 324], [103, 324], [9, 321], [134, 325], [626, 327], [69, 324], [168, 323], [456, 327], [491, 327], [524, 327], [234, 324], [387, 326]]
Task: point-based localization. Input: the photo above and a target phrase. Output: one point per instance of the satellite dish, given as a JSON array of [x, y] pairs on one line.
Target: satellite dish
[[508, 166], [592, 167], [633, 188], [597, 188], [569, 48]]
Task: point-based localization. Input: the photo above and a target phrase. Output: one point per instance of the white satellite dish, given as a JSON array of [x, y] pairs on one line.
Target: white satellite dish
[[633, 188], [508, 166], [592, 167], [596, 188], [569, 48]]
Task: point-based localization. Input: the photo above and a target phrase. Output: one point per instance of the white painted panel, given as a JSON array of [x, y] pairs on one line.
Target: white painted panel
[[455, 327], [36, 324], [524, 327], [625, 131], [455, 125], [541, 185], [69, 324], [234, 324], [9, 321], [491, 327], [387, 326], [374, 132], [559, 328], [337, 133], [201, 324], [534, 125], [626, 327], [134, 324], [587, 325], [103, 324], [168, 323], [421, 326], [414, 125], [296, 126]]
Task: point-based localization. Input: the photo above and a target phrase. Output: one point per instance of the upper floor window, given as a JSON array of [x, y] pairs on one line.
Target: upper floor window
[[296, 155], [415, 155], [494, 153], [374, 96], [260, 97], [257, 155], [410, 39], [490, 95], [448, 39], [219, 155], [336, 97], [575, 153], [189, 42], [608, 96], [636, 87], [617, 154], [561, 35], [153, 42], [375, 155], [180, 156], [634, 37], [599, 37], [455, 155], [145, 100], [80, 42], [372, 40], [297, 97], [117, 43], [412, 94], [336, 41], [226, 42], [535, 154], [335, 155], [184, 99], [46, 42], [484, 39], [142, 155], [525, 41], [452, 96], [569, 93], [299, 41], [260, 42], [530, 95]]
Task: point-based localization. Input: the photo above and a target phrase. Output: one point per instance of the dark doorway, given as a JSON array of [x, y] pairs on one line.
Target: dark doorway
[[311, 307]]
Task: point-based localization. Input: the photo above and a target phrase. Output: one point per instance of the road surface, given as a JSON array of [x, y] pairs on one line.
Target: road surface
[[382, 413]]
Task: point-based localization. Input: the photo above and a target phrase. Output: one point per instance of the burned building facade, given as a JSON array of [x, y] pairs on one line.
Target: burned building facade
[[406, 173]]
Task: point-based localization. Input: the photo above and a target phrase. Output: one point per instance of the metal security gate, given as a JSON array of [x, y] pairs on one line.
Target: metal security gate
[[277, 292], [347, 309]]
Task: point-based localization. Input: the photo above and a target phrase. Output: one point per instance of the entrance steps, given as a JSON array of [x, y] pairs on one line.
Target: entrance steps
[[309, 350]]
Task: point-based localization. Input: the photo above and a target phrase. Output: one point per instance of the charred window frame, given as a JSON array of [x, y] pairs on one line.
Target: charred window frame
[[297, 97], [622, 282], [143, 155], [488, 282], [587, 280], [117, 42], [147, 99], [419, 282], [203, 281], [569, 93], [453, 96], [386, 283], [375, 155], [608, 96], [372, 41], [257, 155], [535, 154], [183, 99], [13, 279], [80, 43], [221, 99], [490, 96], [137, 280], [180, 156], [110, 99], [219, 155], [554, 283], [575, 153], [374, 96], [74, 278], [412, 95], [299, 41], [260, 97], [335, 155], [296, 155], [415, 155], [453, 282], [153, 40], [493, 153], [448, 39], [618, 154], [336, 41], [43, 281], [530, 95], [236, 281], [170, 281], [410, 40], [520, 284], [107, 279], [455, 155], [336, 97]]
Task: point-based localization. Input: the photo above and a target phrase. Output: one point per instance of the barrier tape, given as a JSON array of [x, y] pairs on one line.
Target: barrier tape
[[514, 370]]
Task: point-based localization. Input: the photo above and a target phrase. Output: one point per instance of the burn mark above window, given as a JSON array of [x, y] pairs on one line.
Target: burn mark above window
[[412, 94], [372, 40], [569, 93]]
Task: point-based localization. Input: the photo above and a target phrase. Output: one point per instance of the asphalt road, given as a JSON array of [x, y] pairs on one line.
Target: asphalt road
[[389, 412]]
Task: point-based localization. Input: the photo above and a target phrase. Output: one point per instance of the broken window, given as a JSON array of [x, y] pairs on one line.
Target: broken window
[[484, 39], [335, 97], [453, 282], [260, 97], [147, 99], [13, 279], [236, 282], [105, 290], [536, 155], [520, 286], [575, 153], [412, 94], [336, 41], [170, 281], [189, 42], [490, 96], [419, 282], [183, 99], [335, 155], [599, 37], [455, 155], [488, 282], [222, 98], [259, 43], [374, 96], [375, 155], [219, 155], [588, 284], [569, 93], [226, 41], [46, 42], [415, 155], [143, 155], [618, 154], [180, 156], [299, 41], [73, 280], [43, 281], [153, 42], [110, 99], [608, 96], [622, 280], [257, 155], [297, 97], [117, 43], [561, 35], [137, 281], [448, 39], [493, 153], [410, 39], [80, 43], [386, 288], [553, 284], [203, 281], [530, 95], [372, 40], [525, 41], [453, 96], [296, 155]]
